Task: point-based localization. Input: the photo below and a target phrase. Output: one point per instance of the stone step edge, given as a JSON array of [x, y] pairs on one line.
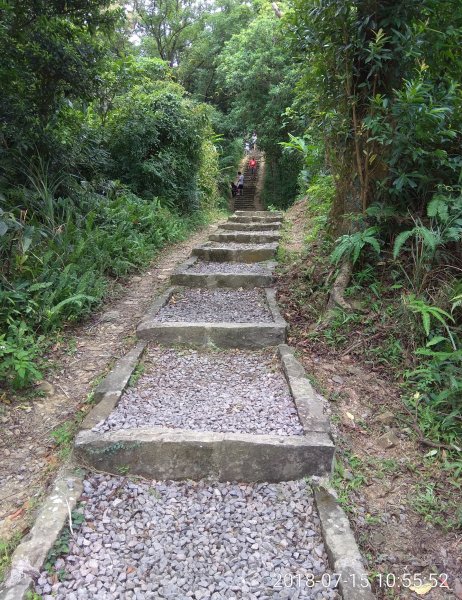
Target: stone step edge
[[213, 251], [250, 227], [221, 279], [176, 454], [219, 334], [257, 219], [260, 213], [251, 237]]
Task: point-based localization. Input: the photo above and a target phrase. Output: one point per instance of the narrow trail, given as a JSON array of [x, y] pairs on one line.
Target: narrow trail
[[196, 455]]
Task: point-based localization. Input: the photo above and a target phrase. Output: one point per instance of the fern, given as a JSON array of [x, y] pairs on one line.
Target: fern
[[427, 312], [351, 246], [438, 207], [431, 239], [78, 299]]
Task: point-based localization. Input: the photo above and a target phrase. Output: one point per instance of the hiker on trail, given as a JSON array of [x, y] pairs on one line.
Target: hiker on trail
[[254, 140], [247, 148], [240, 183], [253, 165], [233, 189]]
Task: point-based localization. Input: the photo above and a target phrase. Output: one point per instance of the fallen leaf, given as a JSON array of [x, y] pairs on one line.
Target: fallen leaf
[[131, 569], [423, 589]]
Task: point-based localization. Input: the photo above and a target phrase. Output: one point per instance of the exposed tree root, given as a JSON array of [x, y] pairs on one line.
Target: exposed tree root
[[338, 289]]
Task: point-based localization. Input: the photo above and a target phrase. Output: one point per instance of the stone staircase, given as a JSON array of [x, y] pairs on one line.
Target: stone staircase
[[196, 454], [220, 298], [247, 201]]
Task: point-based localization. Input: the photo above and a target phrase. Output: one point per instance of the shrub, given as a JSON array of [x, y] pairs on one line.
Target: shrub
[[155, 138]]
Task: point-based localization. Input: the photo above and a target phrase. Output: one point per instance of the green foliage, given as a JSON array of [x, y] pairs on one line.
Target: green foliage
[[437, 508], [19, 351], [257, 74], [351, 246], [419, 127], [51, 55], [430, 241], [349, 476], [428, 312], [105, 160], [320, 196], [437, 379], [7, 548], [155, 138], [61, 277]]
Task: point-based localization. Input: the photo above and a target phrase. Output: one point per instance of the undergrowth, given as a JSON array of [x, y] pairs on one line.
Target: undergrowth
[[410, 340], [51, 277]]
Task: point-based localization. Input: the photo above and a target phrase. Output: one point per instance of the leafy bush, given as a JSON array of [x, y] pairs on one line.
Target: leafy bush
[[61, 277], [437, 379], [19, 350], [155, 139], [320, 195]]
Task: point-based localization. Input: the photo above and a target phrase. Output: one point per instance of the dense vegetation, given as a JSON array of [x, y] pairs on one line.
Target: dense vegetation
[[110, 149], [105, 158], [379, 86]]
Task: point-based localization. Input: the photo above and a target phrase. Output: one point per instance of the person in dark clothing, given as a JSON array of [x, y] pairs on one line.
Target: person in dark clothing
[[233, 189]]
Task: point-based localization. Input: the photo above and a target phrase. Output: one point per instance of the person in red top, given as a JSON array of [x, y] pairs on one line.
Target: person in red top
[[253, 165]]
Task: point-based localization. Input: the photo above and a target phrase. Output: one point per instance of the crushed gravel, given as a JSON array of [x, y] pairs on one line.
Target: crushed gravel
[[199, 540], [233, 391], [247, 232], [229, 267], [238, 246], [202, 305]]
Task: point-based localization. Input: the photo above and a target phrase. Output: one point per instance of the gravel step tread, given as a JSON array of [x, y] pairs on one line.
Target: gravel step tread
[[238, 246], [229, 267], [263, 232], [200, 540], [234, 391], [209, 306]]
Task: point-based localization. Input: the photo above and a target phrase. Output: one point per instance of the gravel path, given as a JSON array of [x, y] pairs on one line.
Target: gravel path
[[235, 306], [235, 391], [228, 267], [183, 540]]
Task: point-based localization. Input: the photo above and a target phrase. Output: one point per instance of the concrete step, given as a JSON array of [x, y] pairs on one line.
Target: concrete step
[[251, 253], [260, 213], [220, 334], [254, 219], [188, 274], [173, 453], [230, 226], [245, 237]]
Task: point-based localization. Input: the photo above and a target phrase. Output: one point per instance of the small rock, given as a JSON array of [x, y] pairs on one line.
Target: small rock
[[388, 440], [110, 317], [337, 379]]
